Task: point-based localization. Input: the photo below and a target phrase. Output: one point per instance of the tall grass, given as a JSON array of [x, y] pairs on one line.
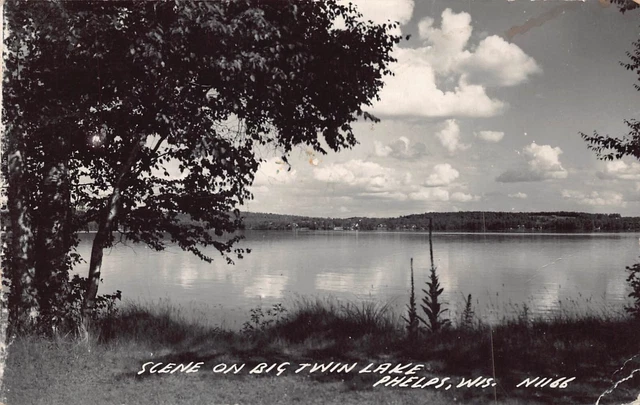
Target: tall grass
[[589, 346]]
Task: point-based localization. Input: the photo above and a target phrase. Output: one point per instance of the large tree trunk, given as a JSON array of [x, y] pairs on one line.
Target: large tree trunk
[[22, 300], [52, 244]]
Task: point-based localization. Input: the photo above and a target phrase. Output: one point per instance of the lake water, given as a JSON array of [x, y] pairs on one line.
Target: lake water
[[503, 272]]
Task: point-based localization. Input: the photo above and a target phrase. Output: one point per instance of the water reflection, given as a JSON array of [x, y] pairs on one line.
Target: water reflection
[[266, 287], [500, 271]]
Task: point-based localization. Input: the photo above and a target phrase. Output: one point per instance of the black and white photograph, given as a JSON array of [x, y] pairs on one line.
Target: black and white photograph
[[238, 202]]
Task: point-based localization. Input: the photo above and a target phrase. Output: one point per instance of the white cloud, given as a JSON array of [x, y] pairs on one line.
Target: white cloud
[[595, 198], [519, 195], [401, 148], [386, 195], [619, 170], [382, 11], [443, 175], [496, 62], [413, 92], [274, 171], [543, 163], [447, 57], [449, 137], [463, 197], [430, 194], [489, 136], [360, 175], [544, 159], [447, 43]]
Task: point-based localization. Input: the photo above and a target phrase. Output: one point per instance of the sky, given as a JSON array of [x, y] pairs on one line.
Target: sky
[[484, 113]]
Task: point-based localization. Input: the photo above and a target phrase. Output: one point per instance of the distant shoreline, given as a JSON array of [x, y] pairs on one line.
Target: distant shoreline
[[464, 221]]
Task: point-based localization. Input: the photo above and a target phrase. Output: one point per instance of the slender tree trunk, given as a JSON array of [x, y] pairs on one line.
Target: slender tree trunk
[[108, 218], [103, 234]]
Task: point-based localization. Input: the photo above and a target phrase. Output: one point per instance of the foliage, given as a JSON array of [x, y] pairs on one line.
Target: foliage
[[143, 113], [412, 319], [625, 5], [432, 306], [468, 313], [612, 148], [69, 309], [634, 282], [260, 321]]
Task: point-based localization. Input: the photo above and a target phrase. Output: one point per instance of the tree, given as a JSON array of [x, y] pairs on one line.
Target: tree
[[154, 112], [625, 5], [610, 148], [605, 146]]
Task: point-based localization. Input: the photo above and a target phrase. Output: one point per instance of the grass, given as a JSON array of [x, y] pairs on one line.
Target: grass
[[103, 370]]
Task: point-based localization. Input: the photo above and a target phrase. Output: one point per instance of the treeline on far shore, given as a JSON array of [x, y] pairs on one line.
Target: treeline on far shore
[[472, 221]]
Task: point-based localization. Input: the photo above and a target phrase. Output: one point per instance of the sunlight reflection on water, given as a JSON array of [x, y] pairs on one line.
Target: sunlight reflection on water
[[503, 272]]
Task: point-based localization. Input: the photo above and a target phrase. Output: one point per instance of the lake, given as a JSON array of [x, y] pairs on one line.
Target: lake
[[503, 272]]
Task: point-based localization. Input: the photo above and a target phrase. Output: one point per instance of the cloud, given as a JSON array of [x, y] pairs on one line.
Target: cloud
[[449, 137], [447, 43], [443, 175], [400, 149], [381, 12], [362, 176], [619, 170], [447, 57], [595, 198], [489, 136], [543, 163], [463, 197], [413, 92], [497, 62], [439, 194], [430, 194], [274, 171], [519, 195]]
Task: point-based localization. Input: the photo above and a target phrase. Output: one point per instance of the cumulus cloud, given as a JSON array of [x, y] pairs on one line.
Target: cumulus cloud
[[447, 43], [363, 176], [543, 163], [443, 175], [489, 136], [440, 194], [430, 194], [413, 92], [496, 62], [274, 171], [595, 198], [447, 56], [619, 170], [463, 197], [449, 137], [402, 148], [519, 195]]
